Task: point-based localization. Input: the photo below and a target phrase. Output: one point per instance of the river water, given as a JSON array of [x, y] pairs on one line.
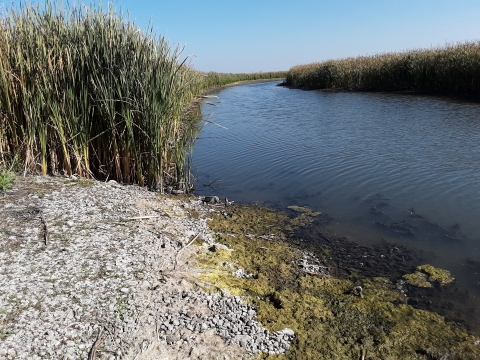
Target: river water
[[393, 167]]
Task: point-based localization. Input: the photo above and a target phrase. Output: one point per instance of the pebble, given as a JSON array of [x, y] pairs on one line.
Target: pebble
[[100, 272]]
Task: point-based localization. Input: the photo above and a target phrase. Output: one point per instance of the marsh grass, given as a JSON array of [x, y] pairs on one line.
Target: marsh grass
[[6, 179], [85, 91], [450, 69]]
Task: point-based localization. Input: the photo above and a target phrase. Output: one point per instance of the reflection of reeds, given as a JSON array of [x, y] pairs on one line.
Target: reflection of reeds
[[85, 91], [453, 68]]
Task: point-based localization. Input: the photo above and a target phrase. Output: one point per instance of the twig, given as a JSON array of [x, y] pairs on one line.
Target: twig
[[92, 354], [143, 217], [183, 248], [213, 182], [214, 123], [161, 212], [46, 234], [364, 352]]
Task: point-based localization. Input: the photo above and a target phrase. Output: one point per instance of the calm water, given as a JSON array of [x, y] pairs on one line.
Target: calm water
[[399, 167]]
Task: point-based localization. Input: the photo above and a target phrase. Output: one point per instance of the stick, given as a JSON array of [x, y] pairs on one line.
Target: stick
[[190, 243], [92, 354], [210, 185], [214, 123], [143, 217], [46, 234]]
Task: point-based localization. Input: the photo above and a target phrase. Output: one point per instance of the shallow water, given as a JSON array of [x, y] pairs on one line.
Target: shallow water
[[401, 168]]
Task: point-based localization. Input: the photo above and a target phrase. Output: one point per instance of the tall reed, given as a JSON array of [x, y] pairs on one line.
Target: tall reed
[[450, 69], [85, 91]]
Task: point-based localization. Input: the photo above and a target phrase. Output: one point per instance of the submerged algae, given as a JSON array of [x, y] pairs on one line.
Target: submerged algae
[[435, 274], [419, 277], [330, 320]]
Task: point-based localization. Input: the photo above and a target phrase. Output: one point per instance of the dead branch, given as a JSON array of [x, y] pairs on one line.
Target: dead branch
[[92, 354]]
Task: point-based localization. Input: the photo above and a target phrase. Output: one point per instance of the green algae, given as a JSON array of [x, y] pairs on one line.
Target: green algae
[[419, 277], [304, 209], [435, 274], [330, 320], [306, 215]]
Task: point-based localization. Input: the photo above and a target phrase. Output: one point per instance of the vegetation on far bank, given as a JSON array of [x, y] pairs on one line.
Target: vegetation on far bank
[[85, 92], [449, 69], [214, 79]]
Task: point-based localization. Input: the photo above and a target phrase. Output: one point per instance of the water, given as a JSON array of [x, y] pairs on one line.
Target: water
[[401, 168]]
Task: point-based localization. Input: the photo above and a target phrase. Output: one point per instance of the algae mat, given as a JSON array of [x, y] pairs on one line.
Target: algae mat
[[333, 318]]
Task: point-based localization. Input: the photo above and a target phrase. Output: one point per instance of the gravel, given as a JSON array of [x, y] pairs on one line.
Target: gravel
[[75, 267]]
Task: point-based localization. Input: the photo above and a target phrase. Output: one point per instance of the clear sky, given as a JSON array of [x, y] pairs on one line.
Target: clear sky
[[270, 35]]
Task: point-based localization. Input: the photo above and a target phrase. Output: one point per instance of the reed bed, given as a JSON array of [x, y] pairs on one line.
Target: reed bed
[[85, 92], [214, 79], [451, 69]]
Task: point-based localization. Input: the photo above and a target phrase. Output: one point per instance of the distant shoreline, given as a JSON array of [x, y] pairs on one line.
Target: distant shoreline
[[473, 97], [238, 83]]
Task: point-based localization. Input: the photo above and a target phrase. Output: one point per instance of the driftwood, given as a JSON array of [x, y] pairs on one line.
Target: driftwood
[[92, 354]]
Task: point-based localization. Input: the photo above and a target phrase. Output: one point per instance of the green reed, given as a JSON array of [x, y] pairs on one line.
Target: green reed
[[450, 69], [85, 91]]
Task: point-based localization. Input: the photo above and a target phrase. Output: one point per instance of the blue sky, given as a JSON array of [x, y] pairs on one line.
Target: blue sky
[[269, 35]]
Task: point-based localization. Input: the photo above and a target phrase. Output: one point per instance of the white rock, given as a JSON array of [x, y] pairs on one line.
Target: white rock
[[287, 331]]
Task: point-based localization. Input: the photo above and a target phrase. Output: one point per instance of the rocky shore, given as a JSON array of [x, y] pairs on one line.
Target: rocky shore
[[104, 271]]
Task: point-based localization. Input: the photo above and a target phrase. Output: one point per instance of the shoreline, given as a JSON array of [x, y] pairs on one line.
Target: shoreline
[[470, 97], [163, 277], [238, 83]]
